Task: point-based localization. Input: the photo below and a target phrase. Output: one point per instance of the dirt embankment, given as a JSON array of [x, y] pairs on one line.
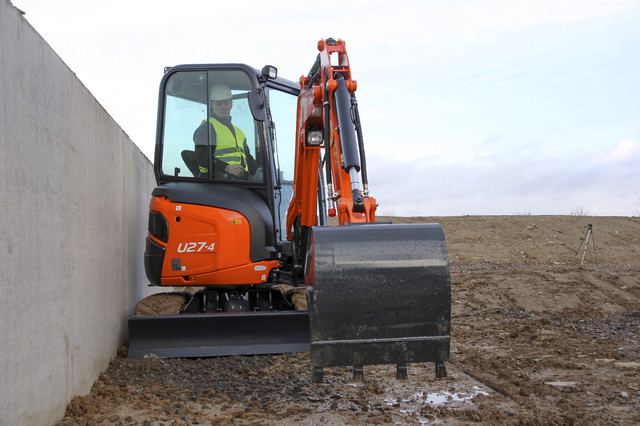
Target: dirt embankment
[[536, 339], [537, 240]]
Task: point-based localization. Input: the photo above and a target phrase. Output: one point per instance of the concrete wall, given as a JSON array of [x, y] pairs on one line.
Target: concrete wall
[[74, 194]]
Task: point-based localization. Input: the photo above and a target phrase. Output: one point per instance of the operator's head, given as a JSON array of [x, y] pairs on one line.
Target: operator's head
[[220, 100]]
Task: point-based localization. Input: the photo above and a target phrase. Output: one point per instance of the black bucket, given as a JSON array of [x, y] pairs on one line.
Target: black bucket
[[379, 294]]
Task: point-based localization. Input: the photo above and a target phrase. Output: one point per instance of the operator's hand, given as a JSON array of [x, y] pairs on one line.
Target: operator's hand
[[234, 170]]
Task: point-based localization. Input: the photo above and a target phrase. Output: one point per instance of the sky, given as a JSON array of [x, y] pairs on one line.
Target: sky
[[493, 107]]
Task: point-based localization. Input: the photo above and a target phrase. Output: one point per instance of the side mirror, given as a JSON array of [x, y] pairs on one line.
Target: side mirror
[[256, 105]]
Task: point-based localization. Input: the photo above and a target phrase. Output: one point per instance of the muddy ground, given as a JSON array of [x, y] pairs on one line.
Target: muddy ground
[[536, 339]]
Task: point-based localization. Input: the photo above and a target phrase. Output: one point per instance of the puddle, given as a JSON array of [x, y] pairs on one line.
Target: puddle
[[411, 406], [438, 398]]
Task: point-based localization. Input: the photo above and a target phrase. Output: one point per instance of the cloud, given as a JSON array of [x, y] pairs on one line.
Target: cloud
[[508, 182], [625, 149]]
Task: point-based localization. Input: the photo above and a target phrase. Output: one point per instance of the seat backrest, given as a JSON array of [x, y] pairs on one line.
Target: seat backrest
[[189, 158]]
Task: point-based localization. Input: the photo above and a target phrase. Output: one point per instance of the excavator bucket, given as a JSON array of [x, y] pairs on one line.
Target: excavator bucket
[[378, 294]]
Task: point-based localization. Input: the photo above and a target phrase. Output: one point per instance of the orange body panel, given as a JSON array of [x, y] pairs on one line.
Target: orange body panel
[[207, 246]]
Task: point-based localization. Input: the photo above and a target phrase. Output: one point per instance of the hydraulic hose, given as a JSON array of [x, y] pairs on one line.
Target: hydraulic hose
[[363, 159]]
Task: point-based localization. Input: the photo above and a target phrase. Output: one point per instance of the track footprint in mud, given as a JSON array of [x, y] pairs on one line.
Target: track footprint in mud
[[277, 389]]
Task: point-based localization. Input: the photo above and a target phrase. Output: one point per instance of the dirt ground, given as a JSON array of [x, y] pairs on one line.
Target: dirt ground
[[536, 339]]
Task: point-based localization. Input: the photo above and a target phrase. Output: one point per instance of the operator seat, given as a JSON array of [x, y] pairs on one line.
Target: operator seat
[[189, 158]]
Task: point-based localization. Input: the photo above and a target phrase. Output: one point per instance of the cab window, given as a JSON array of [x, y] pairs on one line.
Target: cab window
[[283, 107], [208, 130]]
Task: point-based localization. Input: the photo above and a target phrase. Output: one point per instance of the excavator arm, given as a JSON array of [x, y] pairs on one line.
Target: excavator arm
[[377, 293], [328, 121]]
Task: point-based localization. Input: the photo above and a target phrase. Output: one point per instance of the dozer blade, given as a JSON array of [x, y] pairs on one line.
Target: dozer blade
[[379, 294], [199, 335]]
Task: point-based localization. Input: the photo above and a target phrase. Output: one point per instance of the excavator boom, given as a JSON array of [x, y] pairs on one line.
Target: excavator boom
[[328, 121]]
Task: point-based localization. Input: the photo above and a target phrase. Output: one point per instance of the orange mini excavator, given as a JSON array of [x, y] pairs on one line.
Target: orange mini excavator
[[240, 210]]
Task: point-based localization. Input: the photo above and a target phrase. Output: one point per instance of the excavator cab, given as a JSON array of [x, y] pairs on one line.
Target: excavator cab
[[224, 183], [224, 167]]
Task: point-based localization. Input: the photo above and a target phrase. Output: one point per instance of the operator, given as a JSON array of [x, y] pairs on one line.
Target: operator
[[231, 154]]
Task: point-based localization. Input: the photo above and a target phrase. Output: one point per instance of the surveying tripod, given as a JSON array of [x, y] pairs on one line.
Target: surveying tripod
[[585, 243]]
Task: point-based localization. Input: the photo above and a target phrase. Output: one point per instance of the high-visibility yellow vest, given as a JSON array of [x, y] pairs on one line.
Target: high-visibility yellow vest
[[229, 149]]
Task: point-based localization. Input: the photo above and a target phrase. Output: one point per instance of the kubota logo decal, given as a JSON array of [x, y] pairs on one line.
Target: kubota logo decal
[[195, 247]]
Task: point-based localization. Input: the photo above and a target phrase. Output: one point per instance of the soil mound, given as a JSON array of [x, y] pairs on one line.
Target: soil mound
[[537, 338]]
